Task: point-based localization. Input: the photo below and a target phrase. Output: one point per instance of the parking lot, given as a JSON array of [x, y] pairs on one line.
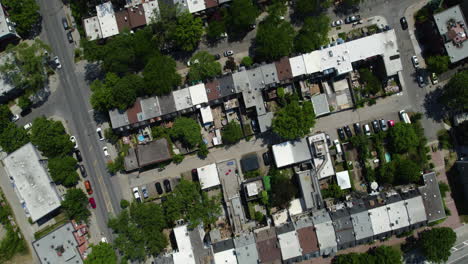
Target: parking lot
[[156, 189]]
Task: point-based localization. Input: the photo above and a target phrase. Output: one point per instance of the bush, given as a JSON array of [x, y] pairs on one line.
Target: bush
[[178, 158], [259, 217], [203, 151], [247, 61], [111, 136], [252, 174], [444, 188], [124, 203], [116, 165], [445, 141]]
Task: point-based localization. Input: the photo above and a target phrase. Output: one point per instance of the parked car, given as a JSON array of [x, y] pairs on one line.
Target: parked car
[[57, 63], [99, 132], [328, 139], [383, 125], [217, 56], [73, 140], [106, 152], [136, 194], [159, 188], [391, 123], [228, 53], [190, 62], [375, 126], [352, 19], [167, 186], [92, 202], [404, 23], [14, 118], [337, 146], [88, 188], [28, 126], [420, 80], [145, 192], [78, 156], [82, 170], [341, 134], [415, 61], [357, 128], [266, 159], [65, 23], [367, 130], [348, 131], [434, 78], [70, 37], [337, 23]]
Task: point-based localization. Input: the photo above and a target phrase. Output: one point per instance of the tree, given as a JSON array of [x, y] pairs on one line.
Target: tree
[[294, 120], [242, 14], [350, 3], [111, 136], [274, 39], [187, 33], [25, 13], [282, 189], [455, 94], [50, 137], [186, 130], [75, 205], [12, 137], [437, 242], [361, 143], [306, 8], [124, 203], [188, 202], [247, 61], [386, 255], [313, 34], [333, 191], [102, 253], [203, 151], [24, 103], [5, 116], [386, 172], [402, 138], [178, 158], [203, 66], [160, 75], [353, 258], [277, 8], [438, 64], [232, 133], [371, 82], [63, 170], [215, 30], [407, 171]]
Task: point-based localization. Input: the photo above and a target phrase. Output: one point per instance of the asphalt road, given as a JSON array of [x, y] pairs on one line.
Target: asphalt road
[[71, 102]]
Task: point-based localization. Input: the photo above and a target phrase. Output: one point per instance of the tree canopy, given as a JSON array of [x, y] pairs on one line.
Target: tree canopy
[[306, 8], [372, 85], [402, 138], [455, 93], [160, 75], [437, 242], [186, 130], [75, 205], [50, 137], [102, 253], [282, 189], [333, 191], [25, 13], [139, 230], [203, 66], [438, 64], [382, 254], [407, 171], [274, 39], [294, 120], [240, 16], [187, 32], [12, 137], [189, 203], [313, 34], [232, 133], [63, 170], [215, 30]]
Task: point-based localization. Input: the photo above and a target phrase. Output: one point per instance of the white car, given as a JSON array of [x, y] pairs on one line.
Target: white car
[[106, 152], [337, 23], [73, 139], [57, 62], [367, 130], [190, 63], [104, 240], [15, 118], [99, 132], [228, 53], [415, 61], [136, 194], [28, 126]]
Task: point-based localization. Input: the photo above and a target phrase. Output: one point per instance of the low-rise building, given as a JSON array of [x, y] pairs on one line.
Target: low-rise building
[[208, 176], [7, 28], [310, 189], [415, 208], [343, 225], [267, 246], [325, 232], [362, 223], [342, 178], [397, 214], [291, 152], [184, 252], [246, 249], [223, 252], [107, 20], [379, 217], [432, 199], [452, 27], [321, 156], [289, 243], [153, 152], [320, 104], [307, 237], [30, 178]]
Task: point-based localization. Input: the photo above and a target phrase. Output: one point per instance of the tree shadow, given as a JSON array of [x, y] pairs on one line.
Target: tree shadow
[[433, 109], [35, 30], [93, 72]]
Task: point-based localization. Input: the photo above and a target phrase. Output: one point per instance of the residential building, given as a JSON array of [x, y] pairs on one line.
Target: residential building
[[208, 176], [184, 252], [320, 104], [253, 188], [107, 20], [415, 208], [223, 252], [321, 156], [130, 18], [379, 217], [310, 189], [397, 213], [289, 243], [451, 24], [62, 245], [7, 88], [30, 178], [7, 28], [307, 237], [283, 69], [206, 116], [291, 152], [325, 232], [432, 199], [296, 207], [249, 163], [342, 178], [246, 249], [362, 223], [147, 154], [343, 225], [267, 246]]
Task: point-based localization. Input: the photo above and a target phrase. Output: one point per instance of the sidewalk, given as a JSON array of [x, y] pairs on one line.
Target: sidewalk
[[409, 14]]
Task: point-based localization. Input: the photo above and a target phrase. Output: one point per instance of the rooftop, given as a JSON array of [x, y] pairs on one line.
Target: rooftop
[[31, 180], [208, 176], [452, 26], [296, 207], [92, 28], [321, 158], [306, 235], [270, 75], [320, 103], [206, 115], [153, 152], [343, 180], [343, 226], [249, 163], [431, 198], [310, 189], [6, 84], [283, 69], [196, 5], [107, 20], [6, 27], [379, 217], [289, 244], [184, 253], [325, 232], [246, 249], [264, 121], [291, 152], [198, 93], [150, 8], [267, 245], [182, 99], [361, 220]]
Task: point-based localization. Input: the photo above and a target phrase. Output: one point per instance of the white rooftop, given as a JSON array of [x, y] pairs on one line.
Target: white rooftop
[[252, 189], [280, 218], [225, 257], [291, 152], [325, 236], [184, 255], [323, 163], [295, 207], [196, 5], [182, 99], [107, 20], [379, 219], [289, 245], [32, 182], [343, 180], [150, 8], [208, 176], [198, 94], [415, 209], [206, 114], [92, 28], [297, 66], [398, 215]]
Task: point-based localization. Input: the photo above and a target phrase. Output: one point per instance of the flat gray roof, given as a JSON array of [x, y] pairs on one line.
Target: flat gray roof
[[32, 182], [153, 152], [310, 189], [320, 103], [270, 75], [6, 28], [431, 197], [343, 226], [362, 224], [444, 21], [246, 249], [264, 121], [59, 246]]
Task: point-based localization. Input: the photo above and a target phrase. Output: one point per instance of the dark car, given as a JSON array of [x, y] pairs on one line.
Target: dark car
[[65, 24], [69, 37], [158, 188], [78, 156], [328, 139], [357, 128], [352, 19], [167, 186], [404, 23], [266, 159], [375, 126], [383, 125], [420, 80], [217, 56], [341, 134], [145, 192], [348, 131], [82, 171], [92, 202]]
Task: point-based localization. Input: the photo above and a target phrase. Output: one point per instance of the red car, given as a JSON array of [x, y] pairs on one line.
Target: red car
[[92, 202], [391, 123]]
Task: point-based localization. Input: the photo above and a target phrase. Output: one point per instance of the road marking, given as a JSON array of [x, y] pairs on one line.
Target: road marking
[[456, 259], [104, 191]]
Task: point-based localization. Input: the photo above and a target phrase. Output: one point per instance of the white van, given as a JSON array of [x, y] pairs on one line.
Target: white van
[[337, 146], [404, 117]]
